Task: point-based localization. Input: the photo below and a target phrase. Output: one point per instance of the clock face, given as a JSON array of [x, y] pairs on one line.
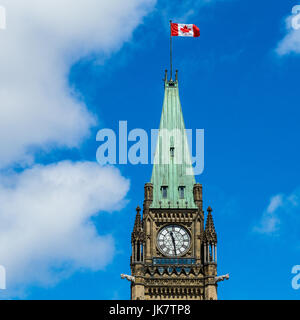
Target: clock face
[[173, 240]]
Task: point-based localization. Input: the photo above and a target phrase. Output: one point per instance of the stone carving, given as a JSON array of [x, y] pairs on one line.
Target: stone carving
[[127, 277], [222, 278]]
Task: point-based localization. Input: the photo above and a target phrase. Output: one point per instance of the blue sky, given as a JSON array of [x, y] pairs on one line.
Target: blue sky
[[235, 85]]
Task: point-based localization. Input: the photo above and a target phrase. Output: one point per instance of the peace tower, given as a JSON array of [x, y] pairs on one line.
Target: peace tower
[[174, 251]]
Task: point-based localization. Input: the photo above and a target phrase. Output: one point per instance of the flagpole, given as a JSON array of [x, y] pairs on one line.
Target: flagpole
[[171, 66]]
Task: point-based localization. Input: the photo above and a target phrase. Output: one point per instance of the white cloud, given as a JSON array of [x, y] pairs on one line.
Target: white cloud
[[274, 204], [291, 42], [42, 40], [281, 213], [269, 222], [46, 232]]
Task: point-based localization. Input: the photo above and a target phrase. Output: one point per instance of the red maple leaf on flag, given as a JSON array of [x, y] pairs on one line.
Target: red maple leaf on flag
[[185, 29]]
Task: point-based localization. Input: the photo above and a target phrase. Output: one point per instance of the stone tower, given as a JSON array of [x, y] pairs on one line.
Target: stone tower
[[174, 252]]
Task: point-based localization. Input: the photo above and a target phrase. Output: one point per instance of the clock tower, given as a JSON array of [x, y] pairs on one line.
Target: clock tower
[[174, 242]]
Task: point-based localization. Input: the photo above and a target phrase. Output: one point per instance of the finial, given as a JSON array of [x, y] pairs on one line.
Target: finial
[[176, 76], [209, 209], [166, 76], [138, 209]]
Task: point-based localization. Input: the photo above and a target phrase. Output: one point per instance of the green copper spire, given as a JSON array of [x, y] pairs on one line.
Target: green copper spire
[[172, 176]]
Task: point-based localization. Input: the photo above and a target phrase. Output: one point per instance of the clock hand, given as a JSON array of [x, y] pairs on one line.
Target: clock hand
[[173, 240]]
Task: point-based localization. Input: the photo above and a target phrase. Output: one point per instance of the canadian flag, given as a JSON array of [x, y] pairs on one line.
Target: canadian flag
[[184, 30]]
